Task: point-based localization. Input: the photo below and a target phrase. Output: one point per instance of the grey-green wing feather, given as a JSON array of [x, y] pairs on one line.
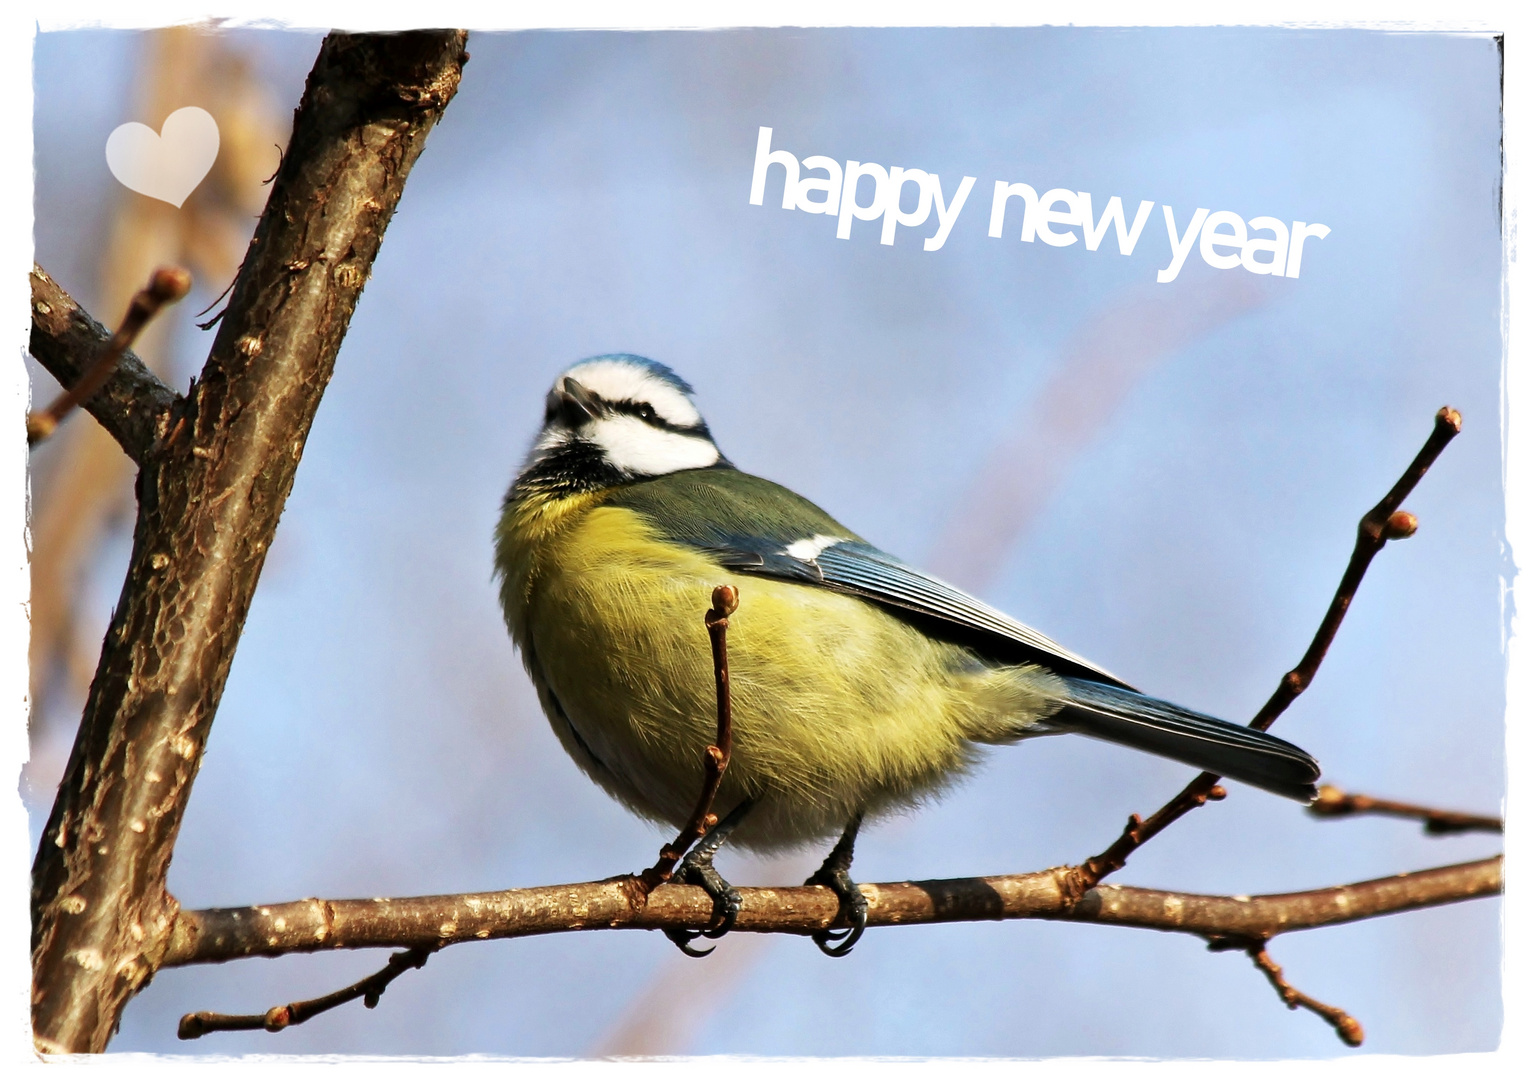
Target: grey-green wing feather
[[754, 526]]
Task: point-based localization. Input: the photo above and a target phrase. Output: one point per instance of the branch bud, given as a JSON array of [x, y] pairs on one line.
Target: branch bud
[[1400, 525], [1330, 800], [726, 599], [39, 427], [169, 284]]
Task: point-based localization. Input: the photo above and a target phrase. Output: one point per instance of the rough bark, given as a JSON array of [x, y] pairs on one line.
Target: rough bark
[[212, 483]]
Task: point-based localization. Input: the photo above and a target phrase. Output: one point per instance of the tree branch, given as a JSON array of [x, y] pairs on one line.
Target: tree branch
[[1334, 802], [210, 493], [215, 935], [166, 285], [1348, 1030], [1386, 521], [195, 1025], [66, 341]]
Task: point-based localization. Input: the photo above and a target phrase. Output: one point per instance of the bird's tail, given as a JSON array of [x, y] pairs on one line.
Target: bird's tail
[[1159, 727]]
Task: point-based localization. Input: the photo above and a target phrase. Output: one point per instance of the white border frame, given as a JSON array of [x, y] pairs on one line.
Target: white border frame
[[17, 31]]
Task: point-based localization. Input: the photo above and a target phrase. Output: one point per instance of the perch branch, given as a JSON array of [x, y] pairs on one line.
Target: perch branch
[[215, 935], [1386, 521], [716, 758], [210, 493], [195, 1025], [425, 924], [1334, 803], [130, 402]]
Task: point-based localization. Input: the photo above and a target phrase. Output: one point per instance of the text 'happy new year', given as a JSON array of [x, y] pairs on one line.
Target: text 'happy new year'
[[1225, 239]]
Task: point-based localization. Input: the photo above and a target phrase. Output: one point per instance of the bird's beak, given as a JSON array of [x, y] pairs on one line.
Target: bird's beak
[[576, 404]]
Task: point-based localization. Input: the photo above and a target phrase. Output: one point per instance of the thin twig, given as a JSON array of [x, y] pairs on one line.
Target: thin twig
[[166, 285], [716, 758], [1348, 1029], [1334, 802], [197, 1024], [227, 290], [1386, 521]]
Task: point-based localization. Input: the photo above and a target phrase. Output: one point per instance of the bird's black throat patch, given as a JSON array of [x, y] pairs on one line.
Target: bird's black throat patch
[[572, 468], [576, 467]]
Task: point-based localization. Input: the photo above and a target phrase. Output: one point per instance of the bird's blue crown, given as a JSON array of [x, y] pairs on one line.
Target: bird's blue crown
[[654, 367]]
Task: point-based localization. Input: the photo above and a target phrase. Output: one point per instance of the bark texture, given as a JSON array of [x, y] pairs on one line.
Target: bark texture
[[215, 470], [219, 934]]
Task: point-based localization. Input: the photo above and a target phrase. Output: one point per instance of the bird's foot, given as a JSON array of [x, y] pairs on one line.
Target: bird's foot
[[698, 869], [836, 874], [854, 909]]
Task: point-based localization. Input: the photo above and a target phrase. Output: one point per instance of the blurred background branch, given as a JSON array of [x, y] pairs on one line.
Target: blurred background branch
[[82, 494]]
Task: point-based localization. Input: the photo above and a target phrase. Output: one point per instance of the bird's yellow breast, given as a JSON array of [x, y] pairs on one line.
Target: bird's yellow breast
[[838, 705]]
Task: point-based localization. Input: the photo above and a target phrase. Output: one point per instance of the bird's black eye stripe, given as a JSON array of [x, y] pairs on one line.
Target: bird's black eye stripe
[[646, 412]]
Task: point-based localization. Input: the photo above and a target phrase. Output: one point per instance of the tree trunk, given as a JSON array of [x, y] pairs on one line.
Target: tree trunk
[[212, 483]]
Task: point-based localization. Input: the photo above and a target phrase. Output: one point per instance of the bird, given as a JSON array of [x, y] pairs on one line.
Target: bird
[[860, 685]]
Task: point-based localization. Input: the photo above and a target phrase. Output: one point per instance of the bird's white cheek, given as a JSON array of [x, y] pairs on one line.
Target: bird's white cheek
[[641, 450]]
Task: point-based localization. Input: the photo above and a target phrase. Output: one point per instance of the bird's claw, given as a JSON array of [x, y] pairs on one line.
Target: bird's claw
[[683, 940], [698, 869], [853, 908]]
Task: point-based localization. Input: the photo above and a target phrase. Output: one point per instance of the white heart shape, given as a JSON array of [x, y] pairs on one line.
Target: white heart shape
[[167, 166]]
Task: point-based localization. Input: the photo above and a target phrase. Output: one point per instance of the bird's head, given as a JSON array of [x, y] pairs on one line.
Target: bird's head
[[618, 418]]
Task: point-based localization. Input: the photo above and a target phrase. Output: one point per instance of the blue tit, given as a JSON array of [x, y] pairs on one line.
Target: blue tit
[[860, 685]]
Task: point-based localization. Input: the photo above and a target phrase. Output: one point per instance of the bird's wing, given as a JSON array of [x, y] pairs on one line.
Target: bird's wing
[[863, 570], [754, 526]]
